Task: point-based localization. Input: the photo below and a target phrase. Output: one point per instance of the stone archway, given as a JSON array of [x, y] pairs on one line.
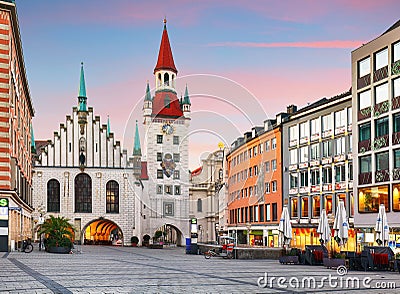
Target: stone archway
[[102, 232], [171, 235]]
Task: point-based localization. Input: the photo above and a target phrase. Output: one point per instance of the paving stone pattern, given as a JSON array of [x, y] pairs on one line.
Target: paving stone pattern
[[101, 269]]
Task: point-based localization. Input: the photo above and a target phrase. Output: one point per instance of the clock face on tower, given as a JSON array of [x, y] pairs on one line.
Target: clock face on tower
[[167, 129]]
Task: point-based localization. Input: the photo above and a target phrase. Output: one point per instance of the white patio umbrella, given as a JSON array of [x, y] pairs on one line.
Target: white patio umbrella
[[323, 228], [341, 225], [382, 227], [285, 227]]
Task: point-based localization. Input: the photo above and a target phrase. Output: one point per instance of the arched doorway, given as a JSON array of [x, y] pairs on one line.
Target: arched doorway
[[168, 234], [102, 232]]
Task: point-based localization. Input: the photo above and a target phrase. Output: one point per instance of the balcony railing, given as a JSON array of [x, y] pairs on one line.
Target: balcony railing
[[363, 81], [380, 74], [365, 178], [364, 146], [382, 175]]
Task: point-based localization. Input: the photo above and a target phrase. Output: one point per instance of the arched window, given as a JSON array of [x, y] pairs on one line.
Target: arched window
[[166, 79], [112, 197], [53, 196], [199, 205], [83, 193], [159, 82]]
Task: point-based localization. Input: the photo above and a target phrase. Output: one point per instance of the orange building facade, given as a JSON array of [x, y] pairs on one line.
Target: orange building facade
[[255, 185], [16, 112]]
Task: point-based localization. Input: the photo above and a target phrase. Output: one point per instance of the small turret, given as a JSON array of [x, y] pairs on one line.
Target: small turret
[[137, 154], [148, 102], [186, 104]]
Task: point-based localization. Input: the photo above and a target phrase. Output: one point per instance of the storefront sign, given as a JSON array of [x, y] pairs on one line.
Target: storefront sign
[[3, 208]]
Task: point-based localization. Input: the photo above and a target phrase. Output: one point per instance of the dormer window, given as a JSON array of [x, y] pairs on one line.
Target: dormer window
[[167, 101]]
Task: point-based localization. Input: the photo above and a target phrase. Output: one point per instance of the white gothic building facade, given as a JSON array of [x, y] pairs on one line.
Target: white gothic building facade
[[85, 176], [109, 195]]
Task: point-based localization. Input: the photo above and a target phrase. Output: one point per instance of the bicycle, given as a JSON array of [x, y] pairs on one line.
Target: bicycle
[[27, 246]]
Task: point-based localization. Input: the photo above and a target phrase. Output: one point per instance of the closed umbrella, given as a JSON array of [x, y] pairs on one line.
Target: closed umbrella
[[323, 228], [285, 227], [341, 225], [382, 227]]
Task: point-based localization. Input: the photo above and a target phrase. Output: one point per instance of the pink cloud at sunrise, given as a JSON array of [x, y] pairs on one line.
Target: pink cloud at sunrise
[[314, 44]]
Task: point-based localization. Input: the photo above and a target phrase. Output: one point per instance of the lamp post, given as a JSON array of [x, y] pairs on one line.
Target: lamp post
[[42, 213]]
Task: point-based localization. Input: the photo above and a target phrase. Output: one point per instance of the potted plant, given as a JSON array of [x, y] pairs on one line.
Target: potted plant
[[134, 241], [59, 234], [146, 240]]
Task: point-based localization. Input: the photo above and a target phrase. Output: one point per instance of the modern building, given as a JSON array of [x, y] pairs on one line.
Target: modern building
[[83, 174], [206, 184], [16, 112], [317, 165], [166, 121], [255, 186], [376, 144]]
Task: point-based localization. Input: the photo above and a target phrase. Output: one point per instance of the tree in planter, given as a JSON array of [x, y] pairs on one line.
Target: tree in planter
[[146, 240], [59, 233], [157, 235], [134, 241]]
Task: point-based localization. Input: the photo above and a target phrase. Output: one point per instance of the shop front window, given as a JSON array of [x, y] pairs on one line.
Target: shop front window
[[328, 204], [341, 196], [396, 197], [304, 207], [316, 206], [293, 207], [370, 198]]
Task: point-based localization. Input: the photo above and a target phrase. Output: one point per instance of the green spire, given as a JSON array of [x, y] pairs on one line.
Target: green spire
[[33, 144], [148, 94], [82, 91], [186, 99], [108, 126], [136, 148]]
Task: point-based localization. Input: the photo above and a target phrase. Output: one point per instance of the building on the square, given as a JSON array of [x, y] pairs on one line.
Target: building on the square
[[317, 166], [83, 174], [16, 112], [255, 185], [376, 125], [206, 183], [166, 121]]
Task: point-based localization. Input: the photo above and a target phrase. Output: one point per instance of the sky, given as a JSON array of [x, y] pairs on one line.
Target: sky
[[243, 61]]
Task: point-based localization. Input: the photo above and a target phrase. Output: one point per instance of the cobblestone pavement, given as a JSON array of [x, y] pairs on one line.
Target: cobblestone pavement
[[101, 269]]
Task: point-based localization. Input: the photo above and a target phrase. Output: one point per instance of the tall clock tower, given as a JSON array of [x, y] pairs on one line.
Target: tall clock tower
[[166, 122]]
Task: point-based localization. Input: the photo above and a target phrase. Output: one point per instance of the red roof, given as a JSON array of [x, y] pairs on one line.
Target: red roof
[[165, 58], [144, 175], [197, 171], [161, 109]]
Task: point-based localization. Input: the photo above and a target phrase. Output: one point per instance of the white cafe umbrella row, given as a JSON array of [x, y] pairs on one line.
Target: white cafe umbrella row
[[341, 225], [323, 228]]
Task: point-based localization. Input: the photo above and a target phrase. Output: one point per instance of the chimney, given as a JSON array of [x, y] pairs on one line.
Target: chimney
[[291, 109]]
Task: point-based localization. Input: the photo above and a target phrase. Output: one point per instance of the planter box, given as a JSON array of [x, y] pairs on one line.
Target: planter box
[[59, 250], [333, 262], [289, 259]]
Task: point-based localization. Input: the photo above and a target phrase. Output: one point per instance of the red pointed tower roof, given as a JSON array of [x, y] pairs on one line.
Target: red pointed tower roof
[[165, 58]]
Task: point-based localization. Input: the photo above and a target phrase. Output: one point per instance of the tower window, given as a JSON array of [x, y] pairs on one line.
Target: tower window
[[166, 79], [159, 139], [176, 140], [159, 156], [159, 174]]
